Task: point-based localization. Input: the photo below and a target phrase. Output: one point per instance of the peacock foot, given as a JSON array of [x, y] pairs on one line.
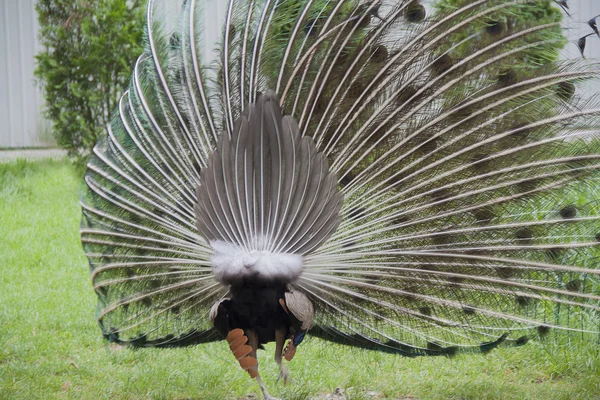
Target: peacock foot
[[264, 390], [269, 397], [283, 374]]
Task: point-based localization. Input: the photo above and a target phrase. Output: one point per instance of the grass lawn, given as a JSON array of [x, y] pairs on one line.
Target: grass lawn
[[51, 347]]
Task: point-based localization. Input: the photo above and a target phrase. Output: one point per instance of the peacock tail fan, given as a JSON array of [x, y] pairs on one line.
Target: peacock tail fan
[[465, 151]]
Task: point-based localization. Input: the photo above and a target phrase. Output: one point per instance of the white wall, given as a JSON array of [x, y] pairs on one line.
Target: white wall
[[215, 12], [21, 122], [581, 12]]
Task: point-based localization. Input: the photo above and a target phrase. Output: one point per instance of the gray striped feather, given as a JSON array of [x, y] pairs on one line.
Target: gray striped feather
[[267, 190]]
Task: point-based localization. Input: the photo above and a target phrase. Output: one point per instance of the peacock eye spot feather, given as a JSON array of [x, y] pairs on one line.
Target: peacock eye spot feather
[[409, 294], [415, 12], [402, 220], [139, 341], [543, 330], [456, 279], [521, 341], [527, 185], [507, 77], [442, 64], [441, 195], [348, 245], [310, 27], [574, 285], [506, 272], [441, 239], [356, 90], [169, 337], [468, 310], [494, 27], [523, 301], [428, 267], [175, 41], [405, 95], [434, 346], [155, 284], [429, 145], [483, 215], [451, 351], [395, 182], [379, 54], [364, 15], [112, 335], [196, 166], [524, 235], [356, 212], [554, 253], [568, 212], [480, 162], [320, 106], [520, 131], [346, 180], [425, 310], [565, 91]]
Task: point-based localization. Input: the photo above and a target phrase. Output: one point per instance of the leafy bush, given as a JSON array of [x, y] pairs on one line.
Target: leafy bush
[[90, 48]]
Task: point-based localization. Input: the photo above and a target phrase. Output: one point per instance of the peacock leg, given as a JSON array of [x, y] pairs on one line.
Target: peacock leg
[[253, 342], [279, 343], [264, 389]]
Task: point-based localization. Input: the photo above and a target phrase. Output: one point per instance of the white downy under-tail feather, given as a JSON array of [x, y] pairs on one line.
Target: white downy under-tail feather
[[231, 262]]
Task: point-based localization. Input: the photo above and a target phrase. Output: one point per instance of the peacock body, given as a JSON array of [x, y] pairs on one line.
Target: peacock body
[[391, 178]]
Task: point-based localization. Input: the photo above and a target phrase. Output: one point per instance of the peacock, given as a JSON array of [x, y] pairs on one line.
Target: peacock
[[381, 174]]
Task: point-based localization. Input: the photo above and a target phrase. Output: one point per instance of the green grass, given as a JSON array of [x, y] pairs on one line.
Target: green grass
[[51, 347]]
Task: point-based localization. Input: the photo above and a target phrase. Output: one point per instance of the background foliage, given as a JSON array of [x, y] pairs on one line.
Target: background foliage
[[90, 49]]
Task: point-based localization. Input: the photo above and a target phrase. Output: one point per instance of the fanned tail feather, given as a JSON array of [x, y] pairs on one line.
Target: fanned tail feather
[[466, 156]]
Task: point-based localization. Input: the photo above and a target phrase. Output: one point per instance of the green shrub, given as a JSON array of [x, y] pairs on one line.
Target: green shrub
[[89, 50]]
